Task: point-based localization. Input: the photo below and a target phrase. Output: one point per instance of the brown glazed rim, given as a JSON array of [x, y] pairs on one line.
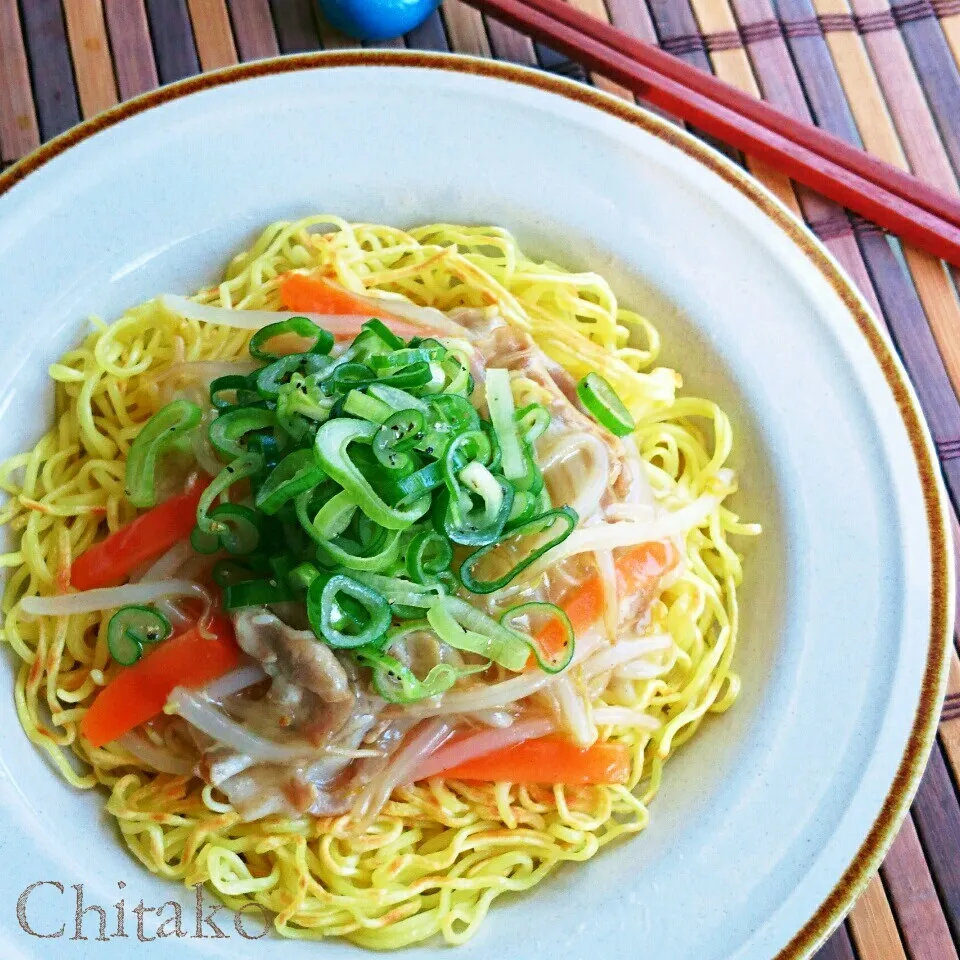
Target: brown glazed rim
[[867, 859]]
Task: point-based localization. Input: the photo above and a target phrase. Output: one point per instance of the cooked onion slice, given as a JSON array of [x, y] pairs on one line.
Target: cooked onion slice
[[480, 744], [630, 533], [579, 465], [209, 718], [572, 713], [235, 681], [424, 741], [491, 695], [251, 319], [149, 754], [166, 565], [405, 310], [340, 325], [106, 598], [625, 651]]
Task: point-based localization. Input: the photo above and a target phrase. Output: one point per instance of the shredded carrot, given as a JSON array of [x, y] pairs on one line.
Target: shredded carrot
[[549, 760], [139, 692], [639, 569]]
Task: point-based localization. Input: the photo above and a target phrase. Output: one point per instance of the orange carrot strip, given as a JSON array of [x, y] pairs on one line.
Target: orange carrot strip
[[139, 692], [549, 760], [298, 291], [110, 561], [638, 569], [316, 295]]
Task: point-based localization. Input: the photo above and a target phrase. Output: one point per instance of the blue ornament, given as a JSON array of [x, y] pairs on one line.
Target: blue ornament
[[377, 19]]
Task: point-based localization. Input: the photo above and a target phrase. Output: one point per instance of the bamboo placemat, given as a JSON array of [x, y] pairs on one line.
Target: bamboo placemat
[[880, 73]]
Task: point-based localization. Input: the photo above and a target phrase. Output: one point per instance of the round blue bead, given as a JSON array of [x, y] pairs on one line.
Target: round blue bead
[[377, 19]]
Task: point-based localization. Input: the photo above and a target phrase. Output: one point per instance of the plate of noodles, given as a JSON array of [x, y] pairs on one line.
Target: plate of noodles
[[445, 505]]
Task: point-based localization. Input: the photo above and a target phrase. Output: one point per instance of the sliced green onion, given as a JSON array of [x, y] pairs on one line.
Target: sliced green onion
[[165, 427], [525, 507], [359, 404], [390, 339], [428, 555], [325, 609], [399, 433], [225, 573], [282, 566], [229, 428], [404, 357], [272, 378], [238, 528], [332, 446], [301, 400], [323, 340], [532, 422], [240, 469], [130, 628], [396, 682], [255, 593], [437, 379], [402, 611], [367, 533], [302, 575], [404, 491], [478, 479], [204, 542], [565, 516], [297, 472], [457, 412], [346, 454], [548, 631], [398, 399], [476, 526], [397, 591], [500, 404], [465, 627], [531, 479], [415, 375], [267, 446], [601, 400], [457, 375], [495, 461], [462, 451], [368, 344], [346, 376], [238, 531], [334, 515], [386, 555], [240, 386]]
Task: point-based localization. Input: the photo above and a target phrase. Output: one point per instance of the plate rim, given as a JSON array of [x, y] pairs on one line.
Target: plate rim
[[831, 911]]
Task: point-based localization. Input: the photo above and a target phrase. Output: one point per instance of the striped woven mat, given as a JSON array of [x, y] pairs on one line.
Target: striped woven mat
[[880, 73]]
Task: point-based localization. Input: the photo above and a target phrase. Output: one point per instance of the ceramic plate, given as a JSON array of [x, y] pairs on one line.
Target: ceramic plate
[[771, 820]]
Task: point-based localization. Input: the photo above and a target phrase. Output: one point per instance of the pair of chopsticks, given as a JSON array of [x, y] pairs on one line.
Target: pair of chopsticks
[[896, 201]]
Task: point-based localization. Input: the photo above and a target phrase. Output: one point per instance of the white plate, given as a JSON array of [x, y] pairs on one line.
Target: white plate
[[770, 821]]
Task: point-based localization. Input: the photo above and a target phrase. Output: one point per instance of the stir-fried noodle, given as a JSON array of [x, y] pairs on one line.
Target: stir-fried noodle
[[440, 850]]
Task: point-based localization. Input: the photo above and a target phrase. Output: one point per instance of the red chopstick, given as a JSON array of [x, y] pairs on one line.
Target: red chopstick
[[878, 191]]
